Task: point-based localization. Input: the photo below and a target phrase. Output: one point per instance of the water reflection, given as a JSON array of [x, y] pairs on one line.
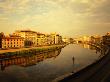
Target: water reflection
[[28, 60], [34, 59], [91, 47], [44, 67], [101, 50], [86, 46]]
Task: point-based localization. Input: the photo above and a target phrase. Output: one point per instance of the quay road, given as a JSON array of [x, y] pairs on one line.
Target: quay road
[[97, 72], [20, 49]]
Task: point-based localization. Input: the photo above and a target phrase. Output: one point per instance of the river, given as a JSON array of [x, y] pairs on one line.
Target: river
[[45, 67]]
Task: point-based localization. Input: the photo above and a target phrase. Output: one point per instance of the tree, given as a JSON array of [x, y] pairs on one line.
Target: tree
[[1, 36]]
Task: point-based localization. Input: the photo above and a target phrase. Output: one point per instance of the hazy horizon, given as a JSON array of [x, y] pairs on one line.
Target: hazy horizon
[[66, 17]]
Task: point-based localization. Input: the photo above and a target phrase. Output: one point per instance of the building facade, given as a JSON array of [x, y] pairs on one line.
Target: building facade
[[56, 38], [41, 39], [65, 40], [30, 37], [34, 39], [12, 42]]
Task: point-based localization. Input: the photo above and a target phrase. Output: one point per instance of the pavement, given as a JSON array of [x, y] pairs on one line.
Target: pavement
[[97, 72]]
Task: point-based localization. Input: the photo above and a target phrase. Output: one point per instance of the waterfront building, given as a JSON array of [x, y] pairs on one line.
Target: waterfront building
[[12, 41], [32, 38], [66, 40], [60, 39], [41, 39], [48, 38], [29, 36], [71, 40], [86, 39], [83, 39], [56, 38]]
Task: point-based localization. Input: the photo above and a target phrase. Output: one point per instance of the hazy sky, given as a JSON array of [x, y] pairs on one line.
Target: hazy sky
[[67, 17]]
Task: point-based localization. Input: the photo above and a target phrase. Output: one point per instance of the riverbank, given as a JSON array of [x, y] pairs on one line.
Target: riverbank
[[96, 72], [32, 48]]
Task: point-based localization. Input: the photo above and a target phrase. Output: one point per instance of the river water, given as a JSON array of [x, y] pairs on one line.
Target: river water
[[45, 67]]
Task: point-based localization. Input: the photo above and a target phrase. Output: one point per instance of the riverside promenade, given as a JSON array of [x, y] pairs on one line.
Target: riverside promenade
[[99, 71], [21, 49]]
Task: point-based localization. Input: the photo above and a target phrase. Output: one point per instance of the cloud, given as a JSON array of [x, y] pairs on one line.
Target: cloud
[[14, 6], [55, 15], [100, 12]]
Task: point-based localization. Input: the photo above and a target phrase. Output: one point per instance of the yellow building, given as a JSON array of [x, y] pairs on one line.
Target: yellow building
[[83, 39], [30, 37], [12, 42], [33, 38], [56, 38], [48, 38], [41, 39], [65, 40]]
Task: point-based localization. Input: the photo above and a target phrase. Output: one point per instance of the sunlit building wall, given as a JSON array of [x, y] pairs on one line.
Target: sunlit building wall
[[34, 39], [56, 38], [65, 40], [29, 36], [41, 40], [83, 39], [12, 42], [48, 39]]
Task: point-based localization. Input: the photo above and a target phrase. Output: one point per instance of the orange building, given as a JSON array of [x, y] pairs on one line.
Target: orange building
[[12, 42]]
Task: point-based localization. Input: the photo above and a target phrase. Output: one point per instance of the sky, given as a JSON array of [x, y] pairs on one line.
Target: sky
[[66, 17]]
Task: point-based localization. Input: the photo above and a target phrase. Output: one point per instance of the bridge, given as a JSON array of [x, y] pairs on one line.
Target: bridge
[[99, 71]]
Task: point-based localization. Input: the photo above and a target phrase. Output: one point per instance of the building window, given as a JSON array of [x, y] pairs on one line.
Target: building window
[[7, 39]]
